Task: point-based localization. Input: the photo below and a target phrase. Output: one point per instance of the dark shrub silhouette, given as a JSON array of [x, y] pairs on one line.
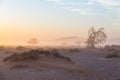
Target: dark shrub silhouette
[[114, 55], [74, 50], [19, 48]]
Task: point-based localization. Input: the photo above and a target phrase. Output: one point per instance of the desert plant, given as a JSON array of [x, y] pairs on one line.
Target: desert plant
[[113, 55], [74, 50], [19, 48], [95, 37]]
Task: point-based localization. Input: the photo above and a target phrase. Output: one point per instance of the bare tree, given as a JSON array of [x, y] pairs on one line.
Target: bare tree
[[96, 37], [33, 41]]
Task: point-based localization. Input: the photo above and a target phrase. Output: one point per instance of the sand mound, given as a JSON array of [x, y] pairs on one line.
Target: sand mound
[[45, 65], [52, 68], [34, 55]]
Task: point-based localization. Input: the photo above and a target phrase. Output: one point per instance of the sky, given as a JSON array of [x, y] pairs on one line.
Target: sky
[[21, 20]]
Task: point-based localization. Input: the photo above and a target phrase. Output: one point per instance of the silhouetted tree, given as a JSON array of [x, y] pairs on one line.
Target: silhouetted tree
[[95, 37], [33, 41]]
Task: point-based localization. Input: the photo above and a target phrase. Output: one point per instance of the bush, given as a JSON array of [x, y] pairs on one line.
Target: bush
[[20, 48], [74, 50], [114, 55]]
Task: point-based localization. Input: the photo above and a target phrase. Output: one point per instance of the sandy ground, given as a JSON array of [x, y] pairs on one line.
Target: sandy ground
[[89, 65], [46, 68], [95, 60]]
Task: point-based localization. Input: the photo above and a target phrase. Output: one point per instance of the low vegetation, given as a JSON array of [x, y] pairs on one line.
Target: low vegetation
[[19, 48], [74, 50], [21, 57], [114, 54], [34, 55]]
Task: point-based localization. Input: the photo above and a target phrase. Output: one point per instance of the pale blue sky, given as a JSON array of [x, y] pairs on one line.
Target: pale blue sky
[[50, 19]]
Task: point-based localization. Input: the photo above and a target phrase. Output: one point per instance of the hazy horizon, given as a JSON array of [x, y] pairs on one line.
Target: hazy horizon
[[49, 20]]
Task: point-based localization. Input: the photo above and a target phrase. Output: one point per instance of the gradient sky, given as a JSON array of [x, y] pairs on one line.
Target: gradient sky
[[52, 19]]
